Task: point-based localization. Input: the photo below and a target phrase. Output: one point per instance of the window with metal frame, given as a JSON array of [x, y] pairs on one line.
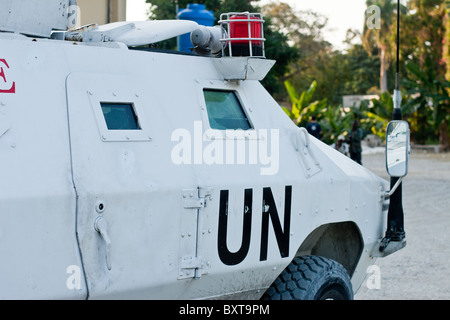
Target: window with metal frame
[[120, 116], [225, 111]]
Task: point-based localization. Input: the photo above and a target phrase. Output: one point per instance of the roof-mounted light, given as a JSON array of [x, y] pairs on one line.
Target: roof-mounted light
[[240, 40], [245, 34]]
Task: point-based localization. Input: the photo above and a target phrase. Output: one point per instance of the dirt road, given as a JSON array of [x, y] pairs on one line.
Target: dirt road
[[421, 270]]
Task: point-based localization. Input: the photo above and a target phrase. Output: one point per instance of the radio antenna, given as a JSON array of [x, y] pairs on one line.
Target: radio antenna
[[395, 233], [397, 114], [397, 82]]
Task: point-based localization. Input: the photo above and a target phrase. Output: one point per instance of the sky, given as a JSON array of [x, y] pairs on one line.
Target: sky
[[342, 15]]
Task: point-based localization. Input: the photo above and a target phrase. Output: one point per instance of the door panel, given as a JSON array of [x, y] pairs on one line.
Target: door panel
[[125, 199]]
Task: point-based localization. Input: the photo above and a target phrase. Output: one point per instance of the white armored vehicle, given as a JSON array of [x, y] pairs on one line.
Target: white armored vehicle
[[131, 173]]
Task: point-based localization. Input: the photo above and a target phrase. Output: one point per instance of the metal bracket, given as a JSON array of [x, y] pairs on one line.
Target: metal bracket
[[243, 68], [390, 193], [306, 154], [388, 248]]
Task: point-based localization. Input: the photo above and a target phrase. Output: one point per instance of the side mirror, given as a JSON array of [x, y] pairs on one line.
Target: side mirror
[[397, 148]]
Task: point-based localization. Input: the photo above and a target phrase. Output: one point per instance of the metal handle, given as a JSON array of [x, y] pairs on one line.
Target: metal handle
[[101, 226]]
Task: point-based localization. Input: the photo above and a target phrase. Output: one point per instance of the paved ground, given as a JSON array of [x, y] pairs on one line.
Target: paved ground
[[421, 270]]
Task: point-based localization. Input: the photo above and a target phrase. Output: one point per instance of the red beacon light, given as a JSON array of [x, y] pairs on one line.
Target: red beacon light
[[245, 34]]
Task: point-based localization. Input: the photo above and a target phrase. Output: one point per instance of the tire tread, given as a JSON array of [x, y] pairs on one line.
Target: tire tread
[[297, 279]]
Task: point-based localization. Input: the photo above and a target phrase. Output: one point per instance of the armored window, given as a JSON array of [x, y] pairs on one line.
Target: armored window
[[120, 116], [225, 110]]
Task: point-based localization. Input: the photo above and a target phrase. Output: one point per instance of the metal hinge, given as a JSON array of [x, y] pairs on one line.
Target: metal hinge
[[191, 264], [190, 267], [194, 203], [191, 199], [196, 198]]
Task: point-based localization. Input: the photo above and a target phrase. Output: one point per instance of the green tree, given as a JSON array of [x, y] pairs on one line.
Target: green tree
[[278, 49], [382, 37], [431, 101], [303, 30], [361, 71], [425, 34], [337, 73], [446, 40]]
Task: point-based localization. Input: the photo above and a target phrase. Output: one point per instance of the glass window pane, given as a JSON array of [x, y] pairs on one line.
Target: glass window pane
[[225, 110], [120, 116]]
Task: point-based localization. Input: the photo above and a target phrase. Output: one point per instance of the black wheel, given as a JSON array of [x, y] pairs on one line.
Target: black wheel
[[311, 278]]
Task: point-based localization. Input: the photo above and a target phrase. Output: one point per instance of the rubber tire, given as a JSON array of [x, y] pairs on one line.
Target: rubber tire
[[311, 278]]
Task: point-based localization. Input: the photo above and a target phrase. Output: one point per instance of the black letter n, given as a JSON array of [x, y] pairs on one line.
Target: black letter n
[[270, 210]]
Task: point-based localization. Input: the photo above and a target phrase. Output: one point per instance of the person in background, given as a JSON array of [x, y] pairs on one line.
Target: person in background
[[314, 128], [341, 145], [354, 140]]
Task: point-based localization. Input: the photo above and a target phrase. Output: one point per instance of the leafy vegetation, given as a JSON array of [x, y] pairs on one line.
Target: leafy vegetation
[[369, 68], [311, 76]]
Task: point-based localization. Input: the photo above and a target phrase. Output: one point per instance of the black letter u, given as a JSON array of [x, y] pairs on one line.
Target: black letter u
[[227, 257]]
